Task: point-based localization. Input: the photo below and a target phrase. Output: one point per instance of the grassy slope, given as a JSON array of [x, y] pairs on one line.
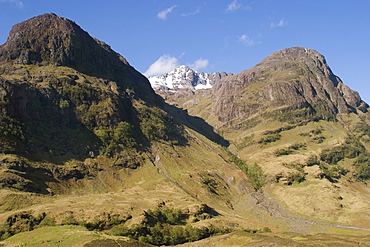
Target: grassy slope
[[345, 202], [178, 175], [283, 239], [172, 179], [79, 236], [65, 236]]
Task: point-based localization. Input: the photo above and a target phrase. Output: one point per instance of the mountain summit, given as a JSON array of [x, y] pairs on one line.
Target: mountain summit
[[294, 78], [59, 82], [184, 77], [52, 40]]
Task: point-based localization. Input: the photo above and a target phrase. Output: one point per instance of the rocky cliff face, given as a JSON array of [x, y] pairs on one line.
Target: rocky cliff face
[[184, 77], [295, 79]]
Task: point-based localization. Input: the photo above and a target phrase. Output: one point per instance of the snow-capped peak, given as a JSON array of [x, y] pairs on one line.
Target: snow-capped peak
[[184, 77]]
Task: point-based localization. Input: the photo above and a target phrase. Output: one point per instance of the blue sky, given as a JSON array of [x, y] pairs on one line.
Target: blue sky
[[155, 36]]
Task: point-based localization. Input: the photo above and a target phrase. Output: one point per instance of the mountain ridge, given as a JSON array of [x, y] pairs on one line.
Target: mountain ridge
[[288, 114]]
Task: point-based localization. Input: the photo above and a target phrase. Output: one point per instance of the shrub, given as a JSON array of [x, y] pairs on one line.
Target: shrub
[[119, 230], [362, 165], [297, 177], [20, 222], [313, 160], [363, 128], [270, 138], [294, 165], [265, 229], [164, 234], [319, 139], [153, 124], [290, 149], [254, 172], [316, 131], [352, 148], [106, 221], [239, 162], [47, 222], [164, 215], [116, 139], [333, 172], [206, 180], [283, 151], [69, 220], [297, 146], [256, 176], [332, 156]]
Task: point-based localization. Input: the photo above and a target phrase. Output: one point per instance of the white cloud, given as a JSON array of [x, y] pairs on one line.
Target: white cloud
[[164, 64], [163, 14], [282, 23], [197, 11], [244, 39], [18, 4], [199, 64], [234, 5]]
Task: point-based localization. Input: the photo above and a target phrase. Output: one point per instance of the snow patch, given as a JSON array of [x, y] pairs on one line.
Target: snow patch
[[184, 77]]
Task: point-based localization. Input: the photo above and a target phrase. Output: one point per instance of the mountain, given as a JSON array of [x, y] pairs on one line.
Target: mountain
[[53, 40], [295, 79], [308, 131], [61, 89], [184, 77], [91, 156], [85, 140]]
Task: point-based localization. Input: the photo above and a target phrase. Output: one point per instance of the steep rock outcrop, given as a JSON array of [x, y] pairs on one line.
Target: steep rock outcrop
[[294, 78]]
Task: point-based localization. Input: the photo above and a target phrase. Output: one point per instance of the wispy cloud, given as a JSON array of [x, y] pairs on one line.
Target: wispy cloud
[[234, 5], [199, 64], [245, 40], [164, 64], [197, 11], [163, 14], [18, 3], [281, 23]]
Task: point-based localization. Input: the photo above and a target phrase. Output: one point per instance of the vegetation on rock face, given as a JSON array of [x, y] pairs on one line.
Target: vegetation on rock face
[[65, 114], [12, 134], [156, 125]]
